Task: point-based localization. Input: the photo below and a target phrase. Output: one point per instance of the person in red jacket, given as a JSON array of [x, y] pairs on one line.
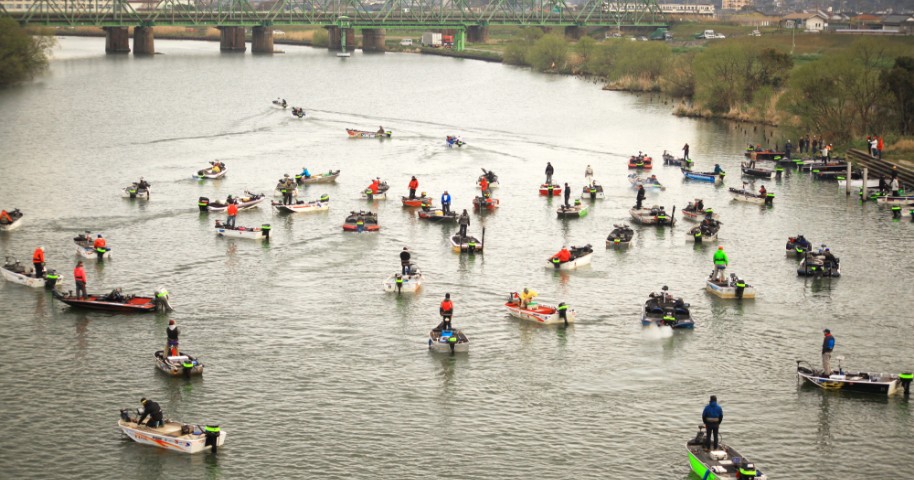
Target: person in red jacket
[[38, 261], [79, 275], [231, 211], [484, 185], [374, 186], [446, 310], [561, 256], [413, 185], [100, 246]]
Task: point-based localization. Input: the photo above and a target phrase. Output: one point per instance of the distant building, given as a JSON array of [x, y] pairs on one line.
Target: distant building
[[753, 19], [810, 22], [706, 10], [736, 4]]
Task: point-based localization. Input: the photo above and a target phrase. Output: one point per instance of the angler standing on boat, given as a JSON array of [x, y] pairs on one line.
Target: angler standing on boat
[[711, 416], [484, 184], [464, 222], [154, 411], [685, 152], [413, 185], [171, 345], [446, 202], [404, 260], [588, 175], [231, 211], [38, 262], [288, 188], [567, 195], [100, 246], [720, 264], [79, 276], [717, 169], [892, 186], [447, 311], [639, 198], [828, 344], [549, 172]]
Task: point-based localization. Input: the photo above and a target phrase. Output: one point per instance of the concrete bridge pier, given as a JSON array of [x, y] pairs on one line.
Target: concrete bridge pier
[[117, 40], [373, 40], [262, 40], [336, 36], [477, 34], [143, 41], [232, 39], [574, 32]]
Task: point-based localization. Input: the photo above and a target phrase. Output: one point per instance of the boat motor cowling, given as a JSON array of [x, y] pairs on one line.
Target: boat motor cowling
[[160, 297], [203, 203], [50, 279], [211, 432], [265, 228]]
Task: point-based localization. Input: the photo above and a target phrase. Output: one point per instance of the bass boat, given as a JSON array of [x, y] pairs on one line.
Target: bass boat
[[662, 309], [819, 265], [669, 159], [724, 463], [734, 287], [329, 177], [484, 203], [365, 134], [437, 215], [179, 365], [593, 191], [541, 313], [280, 103], [650, 182], [861, 382], [710, 177], [696, 211], [250, 233], [174, 436], [798, 246], [134, 191], [705, 232], [550, 190], [14, 222], [417, 201], [85, 247], [577, 210], [490, 177], [383, 187], [448, 341], [466, 244], [454, 141], [361, 221], [580, 256], [15, 272], [640, 162], [298, 112], [248, 201], [755, 171], [398, 282], [214, 171], [117, 302], [301, 206], [655, 215], [893, 200], [620, 236], [743, 195]]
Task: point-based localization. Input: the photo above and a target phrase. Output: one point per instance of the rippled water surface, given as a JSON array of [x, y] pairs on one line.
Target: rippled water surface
[[314, 371]]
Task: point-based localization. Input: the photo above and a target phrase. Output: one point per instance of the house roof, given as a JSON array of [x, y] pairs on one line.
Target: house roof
[[866, 17], [897, 19], [804, 16]]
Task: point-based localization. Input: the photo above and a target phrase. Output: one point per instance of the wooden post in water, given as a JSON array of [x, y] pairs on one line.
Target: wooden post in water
[[866, 172], [847, 186]]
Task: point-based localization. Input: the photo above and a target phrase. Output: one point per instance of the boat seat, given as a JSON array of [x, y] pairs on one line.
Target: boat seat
[[170, 429]]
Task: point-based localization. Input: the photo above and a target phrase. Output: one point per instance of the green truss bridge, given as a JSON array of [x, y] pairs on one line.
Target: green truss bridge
[[468, 19]]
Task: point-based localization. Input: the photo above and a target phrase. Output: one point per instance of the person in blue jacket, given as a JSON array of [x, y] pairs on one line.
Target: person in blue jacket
[[305, 173], [828, 344], [711, 417], [445, 202]]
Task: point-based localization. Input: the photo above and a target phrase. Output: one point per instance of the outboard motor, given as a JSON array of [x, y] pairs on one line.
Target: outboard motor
[[696, 232], [563, 312], [896, 212], [132, 190], [187, 366], [452, 341], [266, 230], [905, 378], [778, 172], [769, 199], [325, 198], [211, 432], [747, 470], [203, 203], [50, 279], [740, 285], [160, 298]]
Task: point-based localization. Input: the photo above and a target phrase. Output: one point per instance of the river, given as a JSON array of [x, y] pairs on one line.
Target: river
[[315, 372]]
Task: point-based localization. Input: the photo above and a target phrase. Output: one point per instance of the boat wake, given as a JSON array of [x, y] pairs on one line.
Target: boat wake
[[653, 332]]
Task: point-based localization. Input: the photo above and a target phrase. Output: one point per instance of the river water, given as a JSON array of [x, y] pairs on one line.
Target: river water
[[314, 371]]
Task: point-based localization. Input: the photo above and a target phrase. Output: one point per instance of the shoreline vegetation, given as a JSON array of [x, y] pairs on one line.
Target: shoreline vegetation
[[839, 87]]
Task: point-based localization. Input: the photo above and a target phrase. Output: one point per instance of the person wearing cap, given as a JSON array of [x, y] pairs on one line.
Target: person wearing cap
[[38, 262], [567, 196], [526, 297], [720, 263], [79, 276], [154, 411], [287, 187], [588, 175], [171, 345], [561, 256], [231, 212], [100, 245], [464, 222], [639, 198], [143, 185], [484, 184], [549, 171], [404, 260], [447, 311], [711, 416], [828, 344], [446, 202], [305, 173], [829, 257]]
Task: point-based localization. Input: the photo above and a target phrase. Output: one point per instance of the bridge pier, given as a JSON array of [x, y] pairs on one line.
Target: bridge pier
[[117, 40], [574, 32], [232, 39], [262, 40], [143, 41], [336, 37], [477, 34], [373, 40]]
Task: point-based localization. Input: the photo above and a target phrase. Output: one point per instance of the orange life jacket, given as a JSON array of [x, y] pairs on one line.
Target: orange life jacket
[[38, 256]]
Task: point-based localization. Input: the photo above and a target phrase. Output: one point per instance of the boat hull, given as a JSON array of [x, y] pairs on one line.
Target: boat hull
[[571, 264], [22, 279], [249, 234], [593, 193], [91, 253], [902, 201], [319, 178], [173, 366], [704, 471], [209, 175], [749, 197], [542, 313], [466, 245], [578, 211], [438, 343], [411, 284], [309, 207], [16, 223], [697, 216], [851, 382], [438, 216], [729, 292], [96, 302], [140, 194], [363, 134], [550, 191], [158, 437]]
